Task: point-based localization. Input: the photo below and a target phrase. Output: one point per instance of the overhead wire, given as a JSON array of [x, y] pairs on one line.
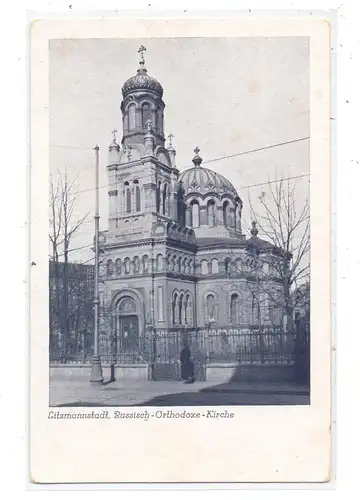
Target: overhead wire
[[284, 143], [204, 162]]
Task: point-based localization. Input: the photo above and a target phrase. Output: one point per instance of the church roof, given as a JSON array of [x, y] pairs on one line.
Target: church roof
[[219, 242], [200, 180]]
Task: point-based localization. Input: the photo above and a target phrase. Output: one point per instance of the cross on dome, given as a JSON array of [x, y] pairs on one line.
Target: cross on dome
[[170, 136], [141, 52], [114, 145], [197, 160], [114, 131]]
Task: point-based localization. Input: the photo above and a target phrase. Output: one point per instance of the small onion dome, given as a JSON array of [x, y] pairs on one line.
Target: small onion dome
[[254, 230], [170, 147], [258, 244], [114, 145]]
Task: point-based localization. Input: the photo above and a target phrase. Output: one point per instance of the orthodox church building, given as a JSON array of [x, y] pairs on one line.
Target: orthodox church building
[[174, 255]]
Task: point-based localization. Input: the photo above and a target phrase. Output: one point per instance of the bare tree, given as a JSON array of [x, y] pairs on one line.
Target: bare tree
[[62, 202], [287, 228]]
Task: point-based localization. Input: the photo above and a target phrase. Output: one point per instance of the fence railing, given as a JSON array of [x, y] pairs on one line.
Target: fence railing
[[244, 346]]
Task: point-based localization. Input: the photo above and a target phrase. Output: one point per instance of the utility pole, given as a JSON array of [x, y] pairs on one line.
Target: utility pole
[[65, 319], [152, 309], [96, 370]]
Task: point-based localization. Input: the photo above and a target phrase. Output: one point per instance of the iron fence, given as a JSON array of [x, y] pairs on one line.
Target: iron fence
[[208, 346], [224, 346]]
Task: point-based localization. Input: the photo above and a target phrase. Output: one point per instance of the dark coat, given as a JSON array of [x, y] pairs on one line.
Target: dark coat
[[187, 366]]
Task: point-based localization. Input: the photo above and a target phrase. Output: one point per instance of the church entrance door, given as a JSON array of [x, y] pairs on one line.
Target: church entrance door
[[129, 334], [127, 348]]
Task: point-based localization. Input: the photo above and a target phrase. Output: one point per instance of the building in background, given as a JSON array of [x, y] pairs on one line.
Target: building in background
[[72, 320]]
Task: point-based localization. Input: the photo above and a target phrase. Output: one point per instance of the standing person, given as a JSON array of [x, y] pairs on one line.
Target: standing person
[[187, 365]]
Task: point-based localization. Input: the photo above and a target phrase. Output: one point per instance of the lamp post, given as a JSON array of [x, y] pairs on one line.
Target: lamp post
[[96, 370]]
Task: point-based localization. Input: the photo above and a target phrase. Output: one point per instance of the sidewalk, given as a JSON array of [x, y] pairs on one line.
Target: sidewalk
[[80, 392]]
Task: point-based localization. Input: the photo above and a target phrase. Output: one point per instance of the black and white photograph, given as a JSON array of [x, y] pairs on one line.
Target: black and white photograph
[[179, 222]]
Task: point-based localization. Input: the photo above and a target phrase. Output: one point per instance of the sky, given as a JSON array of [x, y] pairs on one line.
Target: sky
[[224, 95]]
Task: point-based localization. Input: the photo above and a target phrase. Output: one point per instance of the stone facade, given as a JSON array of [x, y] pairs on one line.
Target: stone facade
[[174, 256]]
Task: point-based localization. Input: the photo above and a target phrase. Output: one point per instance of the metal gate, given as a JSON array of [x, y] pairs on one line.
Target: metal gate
[[166, 355]]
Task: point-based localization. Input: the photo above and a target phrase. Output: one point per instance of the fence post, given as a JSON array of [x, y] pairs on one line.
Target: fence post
[[153, 354], [113, 346]]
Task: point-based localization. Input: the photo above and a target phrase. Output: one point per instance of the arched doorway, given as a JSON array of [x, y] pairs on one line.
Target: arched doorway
[[127, 329]]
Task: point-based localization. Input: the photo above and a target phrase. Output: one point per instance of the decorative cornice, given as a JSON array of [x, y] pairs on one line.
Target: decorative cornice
[[121, 166]]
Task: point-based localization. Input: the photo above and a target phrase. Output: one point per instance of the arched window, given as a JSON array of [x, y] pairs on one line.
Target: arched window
[[189, 313], [210, 307], [127, 265], [146, 114], [168, 262], [187, 310], [226, 213], [109, 267], [174, 308], [118, 266], [158, 195], [190, 266], [227, 266], [204, 268], [159, 262], [127, 197], [181, 306], [160, 120], [211, 219], [195, 214], [184, 266], [145, 263], [238, 217], [238, 265], [234, 309], [131, 117], [214, 266], [136, 265], [137, 197], [164, 199]]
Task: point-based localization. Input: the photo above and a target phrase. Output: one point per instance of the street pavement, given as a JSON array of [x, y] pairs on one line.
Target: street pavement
[[72, 392]]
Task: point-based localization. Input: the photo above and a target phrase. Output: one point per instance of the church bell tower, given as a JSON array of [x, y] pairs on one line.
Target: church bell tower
[[142, 172], [142, 102]]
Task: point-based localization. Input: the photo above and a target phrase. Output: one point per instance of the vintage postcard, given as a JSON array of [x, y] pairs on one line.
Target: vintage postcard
[[180, 227]]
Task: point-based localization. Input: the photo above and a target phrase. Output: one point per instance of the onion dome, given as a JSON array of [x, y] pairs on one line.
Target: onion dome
[[258, 244], [114, 145], [142, 80], [254, 230], [200, 180]]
